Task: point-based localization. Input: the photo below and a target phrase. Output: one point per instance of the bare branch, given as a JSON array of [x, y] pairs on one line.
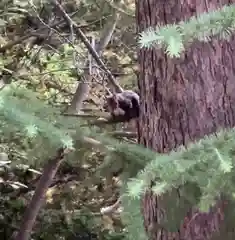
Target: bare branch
[[84, 39], [107, 33], [83, 87], [17, 41], [107, 120], [31, 34], [123, 134], [112, 208], [92, 115], [38, 197]]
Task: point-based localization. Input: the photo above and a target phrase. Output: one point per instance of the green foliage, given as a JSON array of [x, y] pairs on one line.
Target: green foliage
[[37, 124], [200, 174], [173, 37], [202, 171], [132, 217], [207, 165]]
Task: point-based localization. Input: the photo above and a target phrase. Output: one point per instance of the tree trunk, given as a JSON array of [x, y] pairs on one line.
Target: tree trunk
[[183, 100]]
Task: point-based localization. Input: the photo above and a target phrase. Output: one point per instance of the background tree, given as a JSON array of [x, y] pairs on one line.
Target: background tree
[[182, 100]]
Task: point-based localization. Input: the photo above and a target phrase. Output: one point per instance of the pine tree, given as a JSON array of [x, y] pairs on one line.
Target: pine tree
[[184, 100]]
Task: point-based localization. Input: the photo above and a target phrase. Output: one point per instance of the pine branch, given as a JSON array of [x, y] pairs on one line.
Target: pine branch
[[173, 37], [209, 163]]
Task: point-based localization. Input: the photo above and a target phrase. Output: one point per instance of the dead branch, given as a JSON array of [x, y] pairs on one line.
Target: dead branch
[[84, 39], [107, 120], [87, 115], [38, 197], [112, 208], [31, 34], [17, 41], [94, 142], [83, 87], [123, 134], [107, 33]]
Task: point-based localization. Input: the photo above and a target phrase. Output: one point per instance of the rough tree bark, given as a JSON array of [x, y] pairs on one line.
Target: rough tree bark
[[183, 100]]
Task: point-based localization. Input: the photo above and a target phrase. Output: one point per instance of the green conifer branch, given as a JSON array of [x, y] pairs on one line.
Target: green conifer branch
[[18, 113], [200, 173], [209, 163], [173, 37]]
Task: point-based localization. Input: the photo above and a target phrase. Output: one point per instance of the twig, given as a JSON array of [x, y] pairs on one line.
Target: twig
[[31, 34], [84, 39], [72, 39], [108, 120], [112, 208], [33, 208], [123, 134], [82, 90], [88, 75], [93, 142], [96, 114]]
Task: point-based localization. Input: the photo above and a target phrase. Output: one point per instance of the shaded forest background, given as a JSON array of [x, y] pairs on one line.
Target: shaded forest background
[[40, 53]]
